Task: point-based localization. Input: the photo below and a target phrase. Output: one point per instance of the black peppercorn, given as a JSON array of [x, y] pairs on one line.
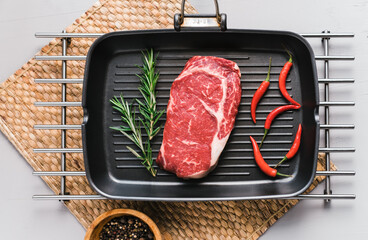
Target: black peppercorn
[[127, 228]]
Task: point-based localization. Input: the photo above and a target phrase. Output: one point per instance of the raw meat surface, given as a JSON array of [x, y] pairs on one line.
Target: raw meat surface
[[201, 112]]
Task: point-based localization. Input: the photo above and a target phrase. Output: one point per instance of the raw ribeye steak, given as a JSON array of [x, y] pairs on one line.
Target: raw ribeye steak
[[201, 112]]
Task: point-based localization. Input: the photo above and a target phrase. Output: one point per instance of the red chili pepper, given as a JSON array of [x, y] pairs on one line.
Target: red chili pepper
[[272, 115], [282, 80], [294, 148], [259, 93], [262, 163]]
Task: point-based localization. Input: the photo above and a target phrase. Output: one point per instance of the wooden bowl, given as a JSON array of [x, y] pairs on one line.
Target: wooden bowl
[[94, 230]]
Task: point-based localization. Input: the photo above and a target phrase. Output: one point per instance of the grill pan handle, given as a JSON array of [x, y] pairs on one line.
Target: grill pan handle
[[199, 20]]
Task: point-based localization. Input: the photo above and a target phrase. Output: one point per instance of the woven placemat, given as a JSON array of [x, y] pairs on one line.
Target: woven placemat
[[176, 220]]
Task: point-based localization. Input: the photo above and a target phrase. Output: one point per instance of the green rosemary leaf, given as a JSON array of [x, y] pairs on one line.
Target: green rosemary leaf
[[145, 162], [157, 130], [116, 128], [121, 128], [134, 152], [158, 116], [145, 112], [131, 137], [140, 102]]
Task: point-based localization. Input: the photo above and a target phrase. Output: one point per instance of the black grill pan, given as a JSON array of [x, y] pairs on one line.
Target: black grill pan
[[110, 69]]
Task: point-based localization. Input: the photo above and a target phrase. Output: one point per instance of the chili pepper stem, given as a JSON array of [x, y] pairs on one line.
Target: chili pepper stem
[[283, 175], [264, 136], [269, 70], [283, 160], [290, 56]]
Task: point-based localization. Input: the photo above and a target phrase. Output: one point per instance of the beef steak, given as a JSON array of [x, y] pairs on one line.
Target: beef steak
[[201, 112]]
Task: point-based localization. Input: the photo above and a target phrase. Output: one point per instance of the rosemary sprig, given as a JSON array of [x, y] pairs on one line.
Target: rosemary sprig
[[147, 108], [147, 88]]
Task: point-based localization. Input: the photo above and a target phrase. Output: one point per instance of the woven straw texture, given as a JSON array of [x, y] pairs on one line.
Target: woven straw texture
[[183, 220]]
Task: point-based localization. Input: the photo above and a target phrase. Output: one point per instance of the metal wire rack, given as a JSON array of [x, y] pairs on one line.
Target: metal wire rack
[[325, 127]]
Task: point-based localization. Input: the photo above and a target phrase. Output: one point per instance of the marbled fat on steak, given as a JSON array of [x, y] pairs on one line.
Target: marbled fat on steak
[[201, 112]]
